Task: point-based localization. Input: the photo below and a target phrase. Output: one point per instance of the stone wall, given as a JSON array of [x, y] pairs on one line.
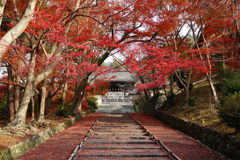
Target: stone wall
[[19, 149], [225, 144]]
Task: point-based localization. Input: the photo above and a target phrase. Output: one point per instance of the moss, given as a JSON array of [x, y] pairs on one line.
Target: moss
[[5, 154]]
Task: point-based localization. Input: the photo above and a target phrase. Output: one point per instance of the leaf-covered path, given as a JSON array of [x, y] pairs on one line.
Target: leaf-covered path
[[121, 136]]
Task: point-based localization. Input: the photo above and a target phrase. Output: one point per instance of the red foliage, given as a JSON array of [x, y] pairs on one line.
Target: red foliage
[[156, 64], [146, 32]]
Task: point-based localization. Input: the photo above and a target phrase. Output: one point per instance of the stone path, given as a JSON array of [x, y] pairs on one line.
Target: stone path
[[118, 136]]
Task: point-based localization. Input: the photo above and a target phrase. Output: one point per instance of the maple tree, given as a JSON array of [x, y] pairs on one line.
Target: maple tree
[[62, 44]]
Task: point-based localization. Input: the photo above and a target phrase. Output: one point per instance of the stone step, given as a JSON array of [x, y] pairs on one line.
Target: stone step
[[119, 158], [122, 148], [117, 127], [120, 134], [119, 131], [117, 122], [121, 142], [122, 155], [152, 145], [123, 152], [119, 137]]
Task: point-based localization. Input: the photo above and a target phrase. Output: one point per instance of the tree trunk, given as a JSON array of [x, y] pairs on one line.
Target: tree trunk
[[20, 116], [11, 101], [10, 93], [43, 99], [185, 82], [18, 29], [171, 85], [214, 92], [16, 9], [80, 90], [144, 91], [209, 67], [78, 107], [48, 101], [33, 108], [16, 95], [65, 87], [2, 6]]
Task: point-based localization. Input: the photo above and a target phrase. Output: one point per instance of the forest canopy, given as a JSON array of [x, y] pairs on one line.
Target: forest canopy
[[55, 47]]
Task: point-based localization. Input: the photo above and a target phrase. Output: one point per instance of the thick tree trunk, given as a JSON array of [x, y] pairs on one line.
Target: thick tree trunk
[[48, 101], [10, 93], [79, 95], [78, 107], [16, 95], [20, 116], [2, 6], [18, 29], [171, 85], [33, 108], [11, 101], [81, 88], [43, 99], [51, 95], [144, 91], [64, 93]]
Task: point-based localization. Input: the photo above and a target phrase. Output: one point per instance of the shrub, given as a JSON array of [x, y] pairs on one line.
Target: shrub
[[64, 112], [231, 104], [230, 109], [138, 105], [170, 100], [231, 83], [92, 103], [149, 106], [192, 101]]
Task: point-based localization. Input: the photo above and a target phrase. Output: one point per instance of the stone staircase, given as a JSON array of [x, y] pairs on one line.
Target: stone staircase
[[119, 136]]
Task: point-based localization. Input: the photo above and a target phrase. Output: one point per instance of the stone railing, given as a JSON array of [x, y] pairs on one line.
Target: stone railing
[[227, 145]]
